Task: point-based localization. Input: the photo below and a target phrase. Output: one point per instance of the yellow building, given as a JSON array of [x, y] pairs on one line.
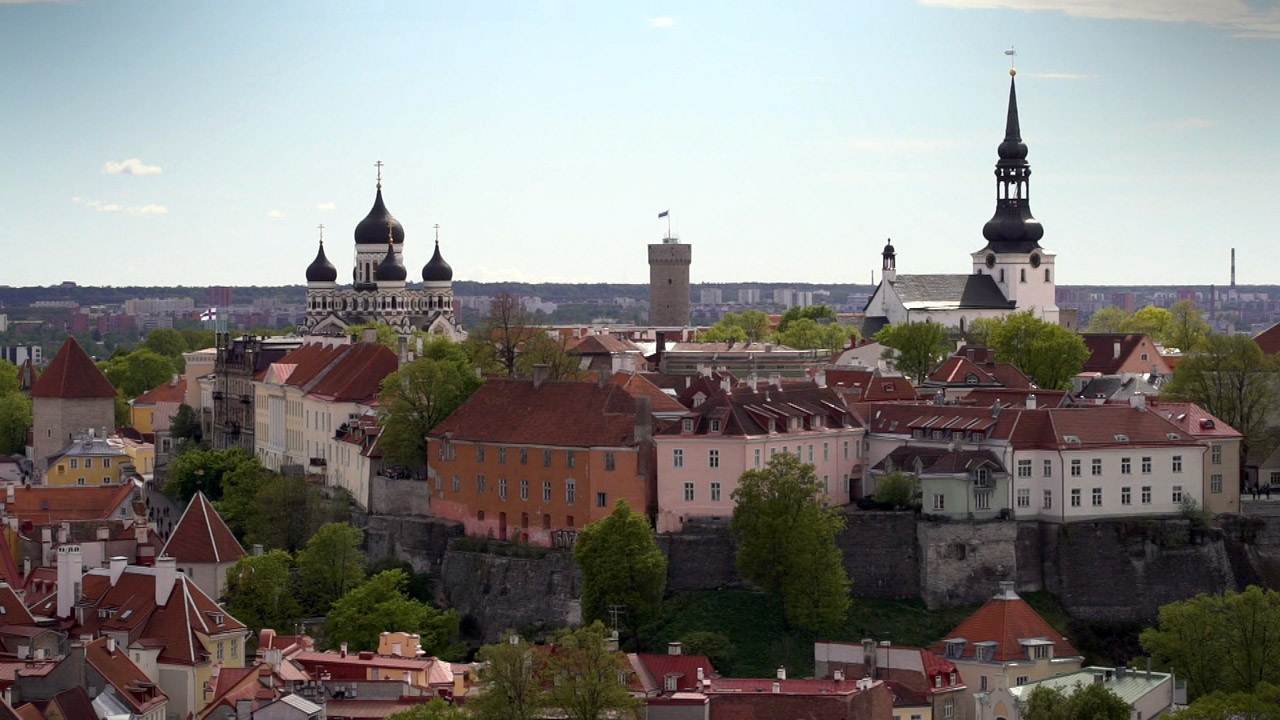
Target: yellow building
[[142, 454], [88, 460], [151, 411]]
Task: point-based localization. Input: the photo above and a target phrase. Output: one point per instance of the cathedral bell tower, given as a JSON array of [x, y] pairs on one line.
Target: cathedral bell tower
[[1022, 270]]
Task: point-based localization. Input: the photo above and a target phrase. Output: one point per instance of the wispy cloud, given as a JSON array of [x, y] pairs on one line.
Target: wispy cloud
[[1238, 16], [29, 2], [106, 207], [665, 21], [897, 145], [326, 206], [1058, 76], [132, 166], [275, 213], [1186, 124]]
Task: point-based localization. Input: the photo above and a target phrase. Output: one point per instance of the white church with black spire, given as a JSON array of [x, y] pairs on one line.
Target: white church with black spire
[[379, 292], [1011, 273]]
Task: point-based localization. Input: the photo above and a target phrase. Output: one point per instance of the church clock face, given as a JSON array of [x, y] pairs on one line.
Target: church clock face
[[1035, 261], [991, 260]]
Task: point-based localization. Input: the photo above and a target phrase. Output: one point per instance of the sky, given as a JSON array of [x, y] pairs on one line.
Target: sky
[[162, 142]]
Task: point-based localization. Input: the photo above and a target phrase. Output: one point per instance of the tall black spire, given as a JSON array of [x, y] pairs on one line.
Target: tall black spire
[[1012, 229]]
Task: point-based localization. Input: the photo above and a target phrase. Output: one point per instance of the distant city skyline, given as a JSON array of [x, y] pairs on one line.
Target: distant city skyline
[[156, 143]]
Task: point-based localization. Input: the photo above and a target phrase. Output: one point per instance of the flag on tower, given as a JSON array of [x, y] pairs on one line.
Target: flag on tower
[[210, 314], [663, 213]]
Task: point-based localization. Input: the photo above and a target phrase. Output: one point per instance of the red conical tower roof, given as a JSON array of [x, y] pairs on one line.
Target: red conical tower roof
[[72, 374]]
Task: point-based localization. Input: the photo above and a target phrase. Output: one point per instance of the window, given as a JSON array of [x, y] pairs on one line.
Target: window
[[810, 452], [1048, 468], [88, 463], [569, 492], [1024, 497], [715, 492], [1024, 468], [948, 708], [1215, 454], [826, 485], [713, 458], [1126, 496], [106, 480], [1075, 468], [1146, 494], [456, 483], [982, 684], [982, 499], [568, 521], [502, 455], [687, 425], [546, 458], [677, 458], [1215, 483], [1126, 466], [524, 456], [524, 489], [502, 488], [1177, 463], [715, 425], [439, 484], [75, 463], [1177, 493], [480, 483], [79, 481], [220, 652], [826, 452], [1095, 466], [609, 462], [1022, 275], [568, 458], [235, 649], [1097, 497], [939, 501], [1075, 497], [846, 449], [602, 500], [1146, 466], [757, 458], [1022, 679], [479, 453], [772, 452], [688, 492], [106, 462], [546, 491], [1046, 274], [1048, 499]]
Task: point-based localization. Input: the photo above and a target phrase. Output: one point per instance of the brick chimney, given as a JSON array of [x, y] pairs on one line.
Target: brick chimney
[[644, 420]]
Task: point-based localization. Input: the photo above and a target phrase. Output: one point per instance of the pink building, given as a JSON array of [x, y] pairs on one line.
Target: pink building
[[701, 457]]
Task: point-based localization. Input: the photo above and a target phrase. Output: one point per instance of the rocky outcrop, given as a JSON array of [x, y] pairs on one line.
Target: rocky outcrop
[[496, 593]]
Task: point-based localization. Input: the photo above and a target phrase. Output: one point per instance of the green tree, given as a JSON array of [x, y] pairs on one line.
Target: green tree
[[1261, 704], [184, 426], [289, 510], [621, 565], [386, 335], [812, 312], [1049, 354], [381, 604], [239, 504], [1187, 328], [510, 675], [915, 347], [1233, 380], [15, 418], [746, 326], [807, 334], [123, 411], [713, 645], [786, 539], [583, 676], [434, 709], [259, 592], [8, 378], [198, 339], [542, 349], [418, 396], [137, 372], [203, 471], [1228, 642], [1084, 702], [330, 565], [1109, 319], [1151, 320], [168, 343], [506, 329], [897, 489]]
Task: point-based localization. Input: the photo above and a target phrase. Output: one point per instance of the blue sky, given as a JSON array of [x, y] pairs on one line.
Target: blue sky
[[165, 142]]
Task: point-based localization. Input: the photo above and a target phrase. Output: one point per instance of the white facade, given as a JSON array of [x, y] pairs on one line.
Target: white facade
[[1026, 279]]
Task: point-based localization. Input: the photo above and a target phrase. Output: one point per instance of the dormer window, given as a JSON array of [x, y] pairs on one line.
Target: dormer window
[[1121, 437], [984, 651], [970, 379], [816, 422], [670, 683], [715, 426], [1071, 439], [953, 648], [888, 387], [952, 678], [688, 425]]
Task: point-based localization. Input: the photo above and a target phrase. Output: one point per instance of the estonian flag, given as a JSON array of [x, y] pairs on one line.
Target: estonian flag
[[663, 213]]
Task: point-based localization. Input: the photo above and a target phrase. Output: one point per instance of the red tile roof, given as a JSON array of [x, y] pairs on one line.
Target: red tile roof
[[559, 414], [12, 611], [201, 536], [72, 374], [45, 505], [170, 391], [1192, 419], [637, 385], [957, 369], [1103, 358], [870, 385], [338, 373], [1269, 340], [603, 345], [1005, 620], [653, 670], [131, 684]]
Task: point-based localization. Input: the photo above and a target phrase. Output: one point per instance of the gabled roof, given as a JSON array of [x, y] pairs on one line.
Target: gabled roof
[[949, 291], [355, 375], [170, 391], [12, 611], [72, 374], [939, 461], [750, 412], [653, 669], [201, 536], [44, 505], [1192, 419], [866, 385], [131, 684], [603, 345], [1269, 340], [637, 386], [73, 704], [1104, 359], [1005, 620], [959, 370], [562, 414]]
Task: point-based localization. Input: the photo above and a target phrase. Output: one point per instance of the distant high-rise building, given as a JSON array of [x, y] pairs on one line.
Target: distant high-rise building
[[219, 297], [749, 296], [711, 296], [669, 263]]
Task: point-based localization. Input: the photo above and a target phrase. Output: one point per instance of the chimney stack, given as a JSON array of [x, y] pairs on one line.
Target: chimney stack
[[540, 372], [1115, 350], [1031, 402], [369, 335], [70, 572], [602, 376], [673, 648], [118, 564], [166, 572], [644, 420], [1233, 267], [782, 673], [820, 378], [839, 675]]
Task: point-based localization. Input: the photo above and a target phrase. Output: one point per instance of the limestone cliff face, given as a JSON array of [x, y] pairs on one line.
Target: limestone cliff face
[[494, 594]]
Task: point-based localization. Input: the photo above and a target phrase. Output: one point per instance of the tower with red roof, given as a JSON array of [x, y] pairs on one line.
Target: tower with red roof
[[70, 396]]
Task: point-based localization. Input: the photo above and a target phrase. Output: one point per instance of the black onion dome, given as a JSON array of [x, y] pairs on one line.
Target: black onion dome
[[373, 228], [437, 270], [390, 268], [320, 269], [1013, 229]]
